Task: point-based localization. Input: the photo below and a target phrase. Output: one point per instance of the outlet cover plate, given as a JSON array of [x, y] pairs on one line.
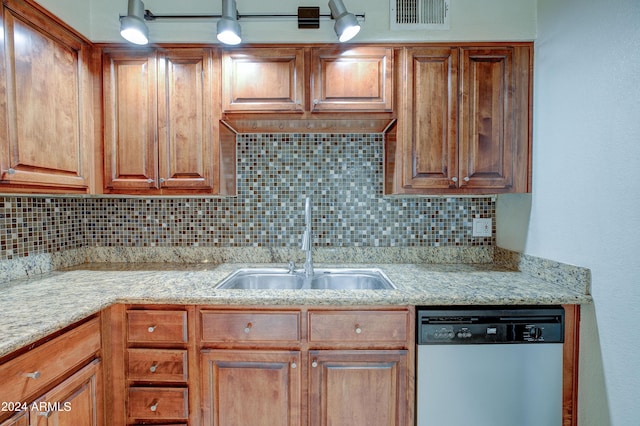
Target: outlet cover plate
[[482, 227]]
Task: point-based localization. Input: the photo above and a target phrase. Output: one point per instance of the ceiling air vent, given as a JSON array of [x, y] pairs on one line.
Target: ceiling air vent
[[419, 14]]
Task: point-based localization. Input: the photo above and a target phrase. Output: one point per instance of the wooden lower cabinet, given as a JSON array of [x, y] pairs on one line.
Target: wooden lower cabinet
[[245, 387], [58, 382], [75, 402], [358, 388]]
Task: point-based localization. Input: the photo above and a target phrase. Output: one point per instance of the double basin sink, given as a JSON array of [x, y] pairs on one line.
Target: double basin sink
[[322, 279]]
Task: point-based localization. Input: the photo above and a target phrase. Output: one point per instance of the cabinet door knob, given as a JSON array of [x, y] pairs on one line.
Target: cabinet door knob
[[454, 179], [150, 180], [11, 171], [152, 328], [314, 364], [44, 414], [35, 375], [153, 368], [466, 179], [358, 330], [293, 365]]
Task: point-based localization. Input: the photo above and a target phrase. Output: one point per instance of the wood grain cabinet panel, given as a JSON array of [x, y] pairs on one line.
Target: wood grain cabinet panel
[[358, 388], [263, 80], [352, 79], [147, 326], [47, 133], [356, 328], [158, 404], [251, 387], [251, 327], [157, 365]]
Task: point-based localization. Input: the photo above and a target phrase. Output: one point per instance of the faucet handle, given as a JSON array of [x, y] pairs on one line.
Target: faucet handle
[[292, 266]]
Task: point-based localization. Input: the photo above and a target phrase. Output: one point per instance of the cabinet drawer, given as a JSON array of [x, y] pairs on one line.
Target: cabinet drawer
[[158, 403], [371, 327], [26, 376], [250, 326], [157, 326], [160, 365]]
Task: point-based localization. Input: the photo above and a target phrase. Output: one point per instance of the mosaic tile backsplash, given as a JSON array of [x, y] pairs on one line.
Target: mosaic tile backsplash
[[342, 173]]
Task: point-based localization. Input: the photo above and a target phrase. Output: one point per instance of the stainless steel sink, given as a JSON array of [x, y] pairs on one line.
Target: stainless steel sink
[[322, 279], [350, 279], [266, 279]]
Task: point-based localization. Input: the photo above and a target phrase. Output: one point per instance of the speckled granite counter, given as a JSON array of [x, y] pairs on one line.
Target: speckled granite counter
[[31, 309]]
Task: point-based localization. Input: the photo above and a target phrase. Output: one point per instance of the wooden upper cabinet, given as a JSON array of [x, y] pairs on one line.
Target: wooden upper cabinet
[[130, 124], [431, 118], [263, 80], [159, 127], [464, 121], [185, 119], [352, 79], [46, 140], [494, 118]]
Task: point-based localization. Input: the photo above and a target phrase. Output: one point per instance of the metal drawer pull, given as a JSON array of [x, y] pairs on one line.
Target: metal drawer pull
[[34, 375], [358, 330], [293, 365], [154, 407], [247, 329], [314, 364], [153, 368], [152, 328]]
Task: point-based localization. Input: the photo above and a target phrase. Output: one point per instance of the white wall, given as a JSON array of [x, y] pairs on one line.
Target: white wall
[[75, 13], [585, 205], [471, 20]]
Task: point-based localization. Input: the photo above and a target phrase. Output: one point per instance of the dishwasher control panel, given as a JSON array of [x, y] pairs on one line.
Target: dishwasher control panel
[[477, 325]]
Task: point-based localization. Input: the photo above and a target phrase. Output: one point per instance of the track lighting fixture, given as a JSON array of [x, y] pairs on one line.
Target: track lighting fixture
[[228, 26], [134, 29], [132, 26], [346, 26]]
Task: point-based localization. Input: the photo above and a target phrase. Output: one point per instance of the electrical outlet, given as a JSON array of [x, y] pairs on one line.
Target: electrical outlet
[[482, 227]]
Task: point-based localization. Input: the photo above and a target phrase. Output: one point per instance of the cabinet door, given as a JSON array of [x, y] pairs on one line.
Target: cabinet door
[[494, 119], [185, 124], [20, 419], [358, 388], [77, 401], [45, 142], [352, 79], [429, 118], [130, 120], [251, 388], [263, 80]]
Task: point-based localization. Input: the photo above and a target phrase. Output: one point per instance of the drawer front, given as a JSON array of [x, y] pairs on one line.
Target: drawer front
[[158, 403], [358, 326], [157, 365], [26, 376], [157, 326], [250, 326]]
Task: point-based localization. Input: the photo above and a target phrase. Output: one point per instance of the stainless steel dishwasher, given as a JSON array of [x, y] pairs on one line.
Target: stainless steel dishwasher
[[489, 366]]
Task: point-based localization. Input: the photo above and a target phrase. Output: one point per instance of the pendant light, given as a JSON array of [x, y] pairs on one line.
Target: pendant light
[[132, 26], [228, 26], [346, 26]]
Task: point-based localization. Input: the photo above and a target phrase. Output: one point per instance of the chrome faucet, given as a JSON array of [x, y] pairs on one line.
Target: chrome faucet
[[306, 239]]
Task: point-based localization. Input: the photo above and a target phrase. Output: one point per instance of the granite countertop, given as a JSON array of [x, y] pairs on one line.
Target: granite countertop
[[34, 308]]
